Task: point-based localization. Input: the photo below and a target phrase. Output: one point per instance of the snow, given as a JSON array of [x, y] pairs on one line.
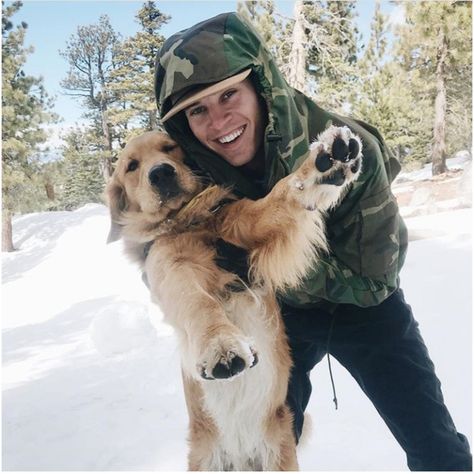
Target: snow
[[459, 161], [91, 375]]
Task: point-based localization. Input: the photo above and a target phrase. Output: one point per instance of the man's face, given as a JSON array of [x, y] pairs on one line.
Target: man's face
[[229, 122]]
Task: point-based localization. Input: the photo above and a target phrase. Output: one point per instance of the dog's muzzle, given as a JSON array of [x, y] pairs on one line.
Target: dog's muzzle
[[165, 180]]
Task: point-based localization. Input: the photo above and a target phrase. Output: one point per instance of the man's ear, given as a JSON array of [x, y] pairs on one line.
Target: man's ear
[[117, 203]]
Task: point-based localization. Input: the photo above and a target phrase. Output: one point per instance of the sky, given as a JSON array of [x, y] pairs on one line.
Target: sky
[[51, 24]]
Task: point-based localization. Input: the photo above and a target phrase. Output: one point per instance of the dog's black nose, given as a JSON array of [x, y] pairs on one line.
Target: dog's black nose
[[161, 174], [165, 180]]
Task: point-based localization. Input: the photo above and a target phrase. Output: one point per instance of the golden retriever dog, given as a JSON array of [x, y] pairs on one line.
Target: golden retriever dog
[[235, 357]]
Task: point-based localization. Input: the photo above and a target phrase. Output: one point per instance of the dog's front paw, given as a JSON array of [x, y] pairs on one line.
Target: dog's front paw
[[335, 161], [338, 156], [225, 357]]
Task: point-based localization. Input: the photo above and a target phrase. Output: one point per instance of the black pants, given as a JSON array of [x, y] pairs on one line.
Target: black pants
[[383, 350]]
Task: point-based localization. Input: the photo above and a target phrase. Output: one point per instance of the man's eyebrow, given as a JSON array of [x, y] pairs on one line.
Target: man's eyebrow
[[193, 104]]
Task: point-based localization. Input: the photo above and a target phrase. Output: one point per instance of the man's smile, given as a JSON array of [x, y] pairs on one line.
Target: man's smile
[[231, 137]]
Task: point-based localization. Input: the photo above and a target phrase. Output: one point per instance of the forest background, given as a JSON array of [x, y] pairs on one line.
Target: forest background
[[412, 80]]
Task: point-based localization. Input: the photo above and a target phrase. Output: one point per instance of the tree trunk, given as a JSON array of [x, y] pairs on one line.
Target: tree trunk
[[398, 153], [7, 234], [297, 59], [438, 155], [152, 120], [49, 188], [106, 165]]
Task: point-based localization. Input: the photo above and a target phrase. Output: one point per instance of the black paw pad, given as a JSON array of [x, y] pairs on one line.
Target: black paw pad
[[353, 149], [224, 370], [336, 179], [355, 167], [340, 150], [323, 162]]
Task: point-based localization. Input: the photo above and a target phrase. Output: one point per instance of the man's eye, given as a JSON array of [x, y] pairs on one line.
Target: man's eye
[[132, 166], [228, 94], [197, 111]]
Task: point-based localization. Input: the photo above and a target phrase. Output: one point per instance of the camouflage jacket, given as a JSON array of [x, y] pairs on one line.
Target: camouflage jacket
[[367, 236]]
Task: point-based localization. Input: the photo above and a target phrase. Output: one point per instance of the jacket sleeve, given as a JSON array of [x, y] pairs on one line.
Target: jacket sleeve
[[330, 280]]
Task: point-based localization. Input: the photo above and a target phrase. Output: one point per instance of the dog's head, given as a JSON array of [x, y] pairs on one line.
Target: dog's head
[[151, 180]]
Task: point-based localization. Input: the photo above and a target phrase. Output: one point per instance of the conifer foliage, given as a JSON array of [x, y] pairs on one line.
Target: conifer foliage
[[82, 181], [91, 54], [435, 47], [132, 80], [25, 109]]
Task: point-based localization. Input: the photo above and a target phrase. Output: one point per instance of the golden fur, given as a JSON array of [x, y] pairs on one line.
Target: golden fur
[[235, 357]]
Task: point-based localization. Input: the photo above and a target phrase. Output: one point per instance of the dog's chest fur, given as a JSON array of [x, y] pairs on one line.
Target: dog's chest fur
[[239, 405]]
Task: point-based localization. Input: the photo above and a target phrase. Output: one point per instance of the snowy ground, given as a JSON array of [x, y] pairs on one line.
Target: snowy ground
[[91, 377]]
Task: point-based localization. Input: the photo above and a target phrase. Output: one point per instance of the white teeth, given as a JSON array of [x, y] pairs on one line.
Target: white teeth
[[232, 136]]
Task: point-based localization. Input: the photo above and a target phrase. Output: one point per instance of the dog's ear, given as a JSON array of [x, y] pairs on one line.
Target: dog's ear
[[117, 204]]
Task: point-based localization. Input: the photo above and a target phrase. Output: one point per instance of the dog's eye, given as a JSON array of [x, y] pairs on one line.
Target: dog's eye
[[132, 166], [169, 147]]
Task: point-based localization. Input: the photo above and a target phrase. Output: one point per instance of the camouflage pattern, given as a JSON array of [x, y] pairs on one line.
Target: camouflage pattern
[[367, 236]]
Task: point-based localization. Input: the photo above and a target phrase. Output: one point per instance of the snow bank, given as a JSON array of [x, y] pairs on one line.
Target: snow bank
[[91, 375]]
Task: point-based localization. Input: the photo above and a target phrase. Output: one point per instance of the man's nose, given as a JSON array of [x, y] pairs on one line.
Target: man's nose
[[219, 117]]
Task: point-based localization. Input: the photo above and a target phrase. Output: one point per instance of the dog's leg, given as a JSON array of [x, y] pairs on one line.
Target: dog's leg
[[203, 434], [212, 347], [279, 434], [284, 231], [334, 162]]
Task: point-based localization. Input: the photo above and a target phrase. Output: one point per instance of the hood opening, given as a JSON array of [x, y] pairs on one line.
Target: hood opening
[[215, 50]]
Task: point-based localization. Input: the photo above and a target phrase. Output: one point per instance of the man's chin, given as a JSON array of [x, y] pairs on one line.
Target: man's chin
[[236, 160]]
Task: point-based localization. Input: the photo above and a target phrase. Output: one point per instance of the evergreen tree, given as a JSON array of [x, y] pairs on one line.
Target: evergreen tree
[[436, 42], [332, 52], [296, 70], [82, 178], [319, 49], [26, 108], [91, 54], [133, 79], [385, 97], [52, 177]]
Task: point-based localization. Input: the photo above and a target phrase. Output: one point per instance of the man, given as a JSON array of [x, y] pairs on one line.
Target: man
[[226, 103]]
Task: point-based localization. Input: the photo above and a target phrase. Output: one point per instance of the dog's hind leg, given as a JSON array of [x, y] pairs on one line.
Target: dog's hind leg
[[202, 436], [279, 435]]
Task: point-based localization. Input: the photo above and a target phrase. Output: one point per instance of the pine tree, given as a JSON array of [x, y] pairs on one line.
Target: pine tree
[[82, 178], [26, 108], [91, 54], [322, 54], [132, 80], [332, 52], [437, 43], [385, 97], [296, 71]]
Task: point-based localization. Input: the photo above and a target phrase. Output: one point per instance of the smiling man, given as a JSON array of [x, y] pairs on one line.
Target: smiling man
[[228, 118], [229, 123], [226, 103]]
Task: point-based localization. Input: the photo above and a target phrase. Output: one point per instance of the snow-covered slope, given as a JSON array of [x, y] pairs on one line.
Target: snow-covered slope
[[91, 377]]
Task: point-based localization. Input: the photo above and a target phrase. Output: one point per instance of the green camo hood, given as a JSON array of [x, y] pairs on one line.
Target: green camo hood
[[210, 52]]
